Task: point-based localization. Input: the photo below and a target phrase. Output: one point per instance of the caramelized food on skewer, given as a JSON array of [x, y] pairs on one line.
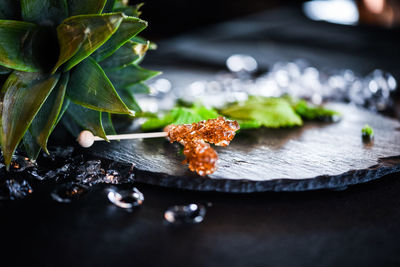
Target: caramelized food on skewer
[[200, 156], [218, 131]]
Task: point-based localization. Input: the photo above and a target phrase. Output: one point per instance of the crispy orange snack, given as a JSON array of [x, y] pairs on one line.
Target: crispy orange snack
[[200, 156]]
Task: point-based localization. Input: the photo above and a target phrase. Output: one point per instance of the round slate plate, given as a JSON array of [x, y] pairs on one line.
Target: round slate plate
[[315, 156]]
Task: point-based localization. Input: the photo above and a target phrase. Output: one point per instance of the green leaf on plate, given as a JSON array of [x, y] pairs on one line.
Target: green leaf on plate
[[310, 112], [129, 28], [22, 97], [249, 124], [44, 11], [90, 87], [88, 119], [45, 120], [157, 123], [130, 75], [127, 54], [80, 36], [367, 132], [268, 111], [181, 115], [81, 7], [15, 45]]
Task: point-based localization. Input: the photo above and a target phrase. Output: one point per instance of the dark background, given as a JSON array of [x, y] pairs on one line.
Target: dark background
[[169, 18]]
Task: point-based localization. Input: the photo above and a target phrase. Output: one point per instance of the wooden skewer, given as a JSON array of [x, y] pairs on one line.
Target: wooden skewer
[[86, 138]]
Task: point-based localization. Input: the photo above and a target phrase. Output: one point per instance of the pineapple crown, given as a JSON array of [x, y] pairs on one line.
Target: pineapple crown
[[75, 60]]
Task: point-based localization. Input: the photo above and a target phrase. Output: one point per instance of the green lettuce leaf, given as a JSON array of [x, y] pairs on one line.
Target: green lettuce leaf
[[310, 112], [181, 115], [263, 111]]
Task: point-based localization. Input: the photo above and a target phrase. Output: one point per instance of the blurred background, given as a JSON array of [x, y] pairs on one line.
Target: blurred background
[[322, 50], [169, 18]]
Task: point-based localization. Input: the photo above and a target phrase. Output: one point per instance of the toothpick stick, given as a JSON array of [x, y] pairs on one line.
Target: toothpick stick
[[86, 138]]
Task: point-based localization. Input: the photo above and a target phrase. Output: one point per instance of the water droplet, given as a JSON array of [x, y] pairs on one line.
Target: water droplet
[[66, 193], [13, 189], [192, 213], [126, 199]]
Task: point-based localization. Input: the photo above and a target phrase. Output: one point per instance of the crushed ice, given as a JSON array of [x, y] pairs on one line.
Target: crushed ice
[[126, 198], [184, 214]]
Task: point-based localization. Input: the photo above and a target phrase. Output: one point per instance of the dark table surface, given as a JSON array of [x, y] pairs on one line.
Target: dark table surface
[[355, 227]]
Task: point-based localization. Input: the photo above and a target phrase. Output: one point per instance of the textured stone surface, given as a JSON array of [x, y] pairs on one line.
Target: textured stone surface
[[318, 155]]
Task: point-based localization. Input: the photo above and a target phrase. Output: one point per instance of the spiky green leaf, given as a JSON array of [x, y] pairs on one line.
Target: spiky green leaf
[[127, 54], [107, 123], [109, 7], [81, 7], [120, 3], [130, 75], [128, 29], [44, 11], [64, 108], [23, 95], [88, 119], [80, 36], [45, 119], [90, 87], [31, 147], [16, 46], [133, 11], [129, 100], [139, 88]]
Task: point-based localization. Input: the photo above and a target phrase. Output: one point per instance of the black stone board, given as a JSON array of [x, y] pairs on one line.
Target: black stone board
[[315, 156]]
